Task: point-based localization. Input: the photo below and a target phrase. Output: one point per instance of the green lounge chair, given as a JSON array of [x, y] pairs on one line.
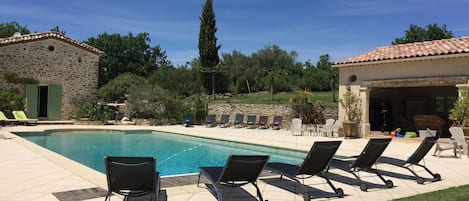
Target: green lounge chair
[[20, 116], [5, 120]]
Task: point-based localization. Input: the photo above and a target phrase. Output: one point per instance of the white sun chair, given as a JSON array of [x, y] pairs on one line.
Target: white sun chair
[[296, 126], [326, 129], [457, 143]]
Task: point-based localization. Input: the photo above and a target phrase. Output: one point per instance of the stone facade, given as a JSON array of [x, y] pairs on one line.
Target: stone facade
[[286, 111], [53, 60]]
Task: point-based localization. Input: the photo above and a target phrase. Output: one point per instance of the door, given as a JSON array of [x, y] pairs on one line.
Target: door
[[31, 100], [44, 101], [54, 97]]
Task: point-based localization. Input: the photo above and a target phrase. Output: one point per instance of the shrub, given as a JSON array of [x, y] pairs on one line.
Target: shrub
[[118, 88], [460, 111], [93, 111], [10, 100], [150, 101]]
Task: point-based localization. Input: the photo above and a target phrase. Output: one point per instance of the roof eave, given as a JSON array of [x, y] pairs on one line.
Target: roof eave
[[400, 60]]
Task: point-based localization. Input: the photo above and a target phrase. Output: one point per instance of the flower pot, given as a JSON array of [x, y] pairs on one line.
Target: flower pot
[[350, 129]]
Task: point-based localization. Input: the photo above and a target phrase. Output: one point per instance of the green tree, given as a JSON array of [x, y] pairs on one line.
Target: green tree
[[118, 88], [274, 65], [208, 48], [181, 80], [240, 72], [131, 53], [325, 65], [419, 34], [7, 29]]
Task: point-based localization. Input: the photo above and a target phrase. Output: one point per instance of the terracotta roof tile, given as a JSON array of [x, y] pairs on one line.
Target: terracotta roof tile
[[412, 50], [46, 35]]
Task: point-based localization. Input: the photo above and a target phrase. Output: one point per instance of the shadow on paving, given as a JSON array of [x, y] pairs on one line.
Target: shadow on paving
[[354, 182], [232, 193], [293, 187]]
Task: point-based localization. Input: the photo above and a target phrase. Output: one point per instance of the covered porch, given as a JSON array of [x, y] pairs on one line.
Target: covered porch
[[398, 103]]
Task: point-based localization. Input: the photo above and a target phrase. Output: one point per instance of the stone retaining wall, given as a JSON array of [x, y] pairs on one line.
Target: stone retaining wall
[[286, 111]]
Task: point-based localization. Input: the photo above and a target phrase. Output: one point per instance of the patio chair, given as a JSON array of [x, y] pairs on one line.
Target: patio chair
[[21, 117], [132, 177], [251, 121], [239, 119], [211, 122], [326, 129], [263, 122], [315, 164], [239, 170], [224, 121], [5, 120], [188, 120], [277, 123], [296, 126], [365, 161], [414, 160], [457, 143]]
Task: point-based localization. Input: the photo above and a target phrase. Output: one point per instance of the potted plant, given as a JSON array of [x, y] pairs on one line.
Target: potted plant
[[351, 104], [459, 114]]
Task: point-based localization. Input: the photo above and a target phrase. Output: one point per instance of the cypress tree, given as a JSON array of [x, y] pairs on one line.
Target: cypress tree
[[208, 48]]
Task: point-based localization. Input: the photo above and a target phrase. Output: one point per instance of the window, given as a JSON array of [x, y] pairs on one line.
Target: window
[[444, 103]]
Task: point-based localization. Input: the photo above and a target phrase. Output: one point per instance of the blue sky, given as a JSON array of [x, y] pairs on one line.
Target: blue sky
[[340, 28]]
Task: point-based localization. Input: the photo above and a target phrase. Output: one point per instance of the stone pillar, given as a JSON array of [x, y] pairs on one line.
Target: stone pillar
[[462, 87], [365, 127]]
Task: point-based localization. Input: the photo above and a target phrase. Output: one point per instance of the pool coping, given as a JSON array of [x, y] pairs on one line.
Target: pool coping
[[452, 170], [99, 179], [93, 176]]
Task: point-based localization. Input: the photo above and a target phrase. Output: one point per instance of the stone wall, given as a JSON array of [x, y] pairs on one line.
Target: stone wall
[[286, 111], [53, 62]]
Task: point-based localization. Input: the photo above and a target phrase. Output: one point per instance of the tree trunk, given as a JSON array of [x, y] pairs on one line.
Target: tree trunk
[[272, 91], [213, 85]]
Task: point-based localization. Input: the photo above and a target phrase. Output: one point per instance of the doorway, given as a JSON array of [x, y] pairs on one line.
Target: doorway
[[42, 102]]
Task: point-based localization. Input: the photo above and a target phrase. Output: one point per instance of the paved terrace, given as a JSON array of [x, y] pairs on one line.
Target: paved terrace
[[29, 172]]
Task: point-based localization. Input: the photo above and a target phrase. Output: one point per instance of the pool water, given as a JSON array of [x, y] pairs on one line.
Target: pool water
[[175, 154]]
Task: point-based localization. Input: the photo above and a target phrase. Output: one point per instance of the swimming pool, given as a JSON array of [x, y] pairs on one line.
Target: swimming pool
[[175, 154]]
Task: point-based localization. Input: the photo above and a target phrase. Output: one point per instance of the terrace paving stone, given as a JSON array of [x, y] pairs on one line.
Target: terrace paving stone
[[29, 172]]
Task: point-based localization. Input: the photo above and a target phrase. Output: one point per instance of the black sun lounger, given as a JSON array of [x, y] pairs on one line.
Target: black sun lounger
[[365, 161], [187, 120], [224, 121], [239, 170], [132, 177], [277, 123], [415, 159], [211, 122], [251, 121], [263, 122], [315, 164], [238, 122]]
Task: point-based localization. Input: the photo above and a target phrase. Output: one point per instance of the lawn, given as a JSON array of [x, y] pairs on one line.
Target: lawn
[[279, 98], [460, 193]]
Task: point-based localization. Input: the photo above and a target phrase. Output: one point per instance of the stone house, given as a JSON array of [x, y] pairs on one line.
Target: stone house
[[64, 68], [398, 82]]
